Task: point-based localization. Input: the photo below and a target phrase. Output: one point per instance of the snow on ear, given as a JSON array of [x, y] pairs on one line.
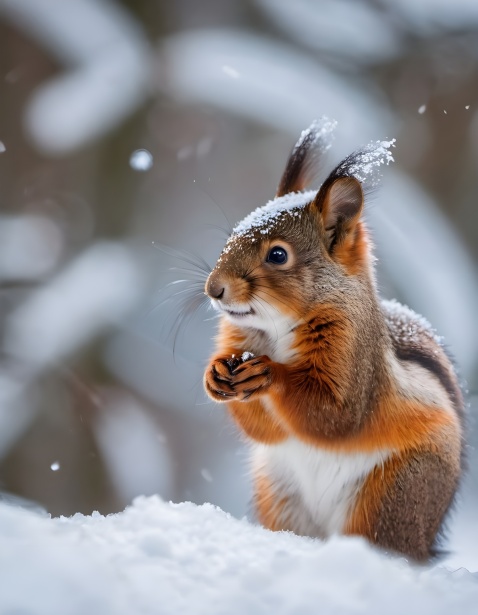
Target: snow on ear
[[340, 203], [302, 165]]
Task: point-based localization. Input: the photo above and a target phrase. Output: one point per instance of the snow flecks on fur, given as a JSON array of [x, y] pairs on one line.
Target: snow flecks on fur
[[317, 139], [261, 218], [320, 135], [406, 325], [364, 163]]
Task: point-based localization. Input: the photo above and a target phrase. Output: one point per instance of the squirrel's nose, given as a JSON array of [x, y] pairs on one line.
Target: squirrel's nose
[[215, 288], [217, 293]]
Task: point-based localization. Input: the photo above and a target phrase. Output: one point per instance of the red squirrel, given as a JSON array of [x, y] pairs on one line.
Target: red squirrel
[[350, 404]]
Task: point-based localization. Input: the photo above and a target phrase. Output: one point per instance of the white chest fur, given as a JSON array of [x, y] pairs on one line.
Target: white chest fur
[[274, 337], [320, 485]]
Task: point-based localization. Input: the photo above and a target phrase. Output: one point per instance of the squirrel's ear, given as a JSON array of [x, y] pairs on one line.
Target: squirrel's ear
[[340, 203], [301, 167]]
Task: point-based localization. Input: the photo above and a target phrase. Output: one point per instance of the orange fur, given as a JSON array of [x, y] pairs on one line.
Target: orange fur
[[270, 506], [353, 252], [256, 422], [396, 424]]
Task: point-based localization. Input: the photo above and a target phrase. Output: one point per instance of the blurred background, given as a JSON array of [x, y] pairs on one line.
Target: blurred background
[[133, 133]]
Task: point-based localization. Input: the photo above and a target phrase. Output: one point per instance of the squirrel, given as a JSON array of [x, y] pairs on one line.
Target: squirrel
[[351, 406]]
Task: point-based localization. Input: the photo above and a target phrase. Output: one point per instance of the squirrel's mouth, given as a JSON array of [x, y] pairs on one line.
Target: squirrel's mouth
[[234, 310], [237, 313]]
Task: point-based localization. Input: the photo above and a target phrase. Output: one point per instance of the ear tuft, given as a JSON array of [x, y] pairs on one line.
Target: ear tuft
[[302, 165], [364, 164]]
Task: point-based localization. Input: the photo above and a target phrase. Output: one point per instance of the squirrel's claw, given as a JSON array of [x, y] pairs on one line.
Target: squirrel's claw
[[229, 378], [252, 377], [218, 380]]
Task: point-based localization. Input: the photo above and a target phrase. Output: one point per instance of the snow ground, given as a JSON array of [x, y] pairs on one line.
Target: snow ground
[[161, 558]]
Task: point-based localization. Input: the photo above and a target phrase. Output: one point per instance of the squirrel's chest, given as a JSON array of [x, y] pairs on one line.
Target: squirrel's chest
[[277, 342], [320, 486]]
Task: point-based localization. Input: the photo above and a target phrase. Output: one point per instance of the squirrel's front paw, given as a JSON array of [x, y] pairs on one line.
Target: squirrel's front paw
[[251, 377], [218, 379]]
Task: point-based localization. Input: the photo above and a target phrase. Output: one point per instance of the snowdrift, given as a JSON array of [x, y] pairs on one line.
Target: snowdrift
[[163, 558]]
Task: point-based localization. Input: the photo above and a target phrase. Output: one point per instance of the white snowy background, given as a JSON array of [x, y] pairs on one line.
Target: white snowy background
[[131, 133]]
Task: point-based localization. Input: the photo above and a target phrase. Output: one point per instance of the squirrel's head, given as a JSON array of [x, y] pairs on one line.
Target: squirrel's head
[[301, 248]]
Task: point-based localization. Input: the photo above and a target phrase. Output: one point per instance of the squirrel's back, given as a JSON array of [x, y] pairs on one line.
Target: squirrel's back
[[416, 345]]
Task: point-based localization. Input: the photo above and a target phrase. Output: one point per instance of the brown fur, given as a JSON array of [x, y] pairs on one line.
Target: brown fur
[[333, 384], [402, 504]]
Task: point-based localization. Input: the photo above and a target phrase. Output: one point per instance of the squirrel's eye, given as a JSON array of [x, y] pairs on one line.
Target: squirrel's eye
[[277, 255]]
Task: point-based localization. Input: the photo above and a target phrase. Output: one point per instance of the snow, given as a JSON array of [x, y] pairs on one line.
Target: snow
[[206, 475], [135, 452], [107, 62], [322, 135], [30, 246], [280, 86], [141, 160], [407, 325], [367, 161], [271, 211], [411, 238], [362, 164], [161, 558], [371, 32], [364, 35], [428, 16], [97, 288], [230, 71]]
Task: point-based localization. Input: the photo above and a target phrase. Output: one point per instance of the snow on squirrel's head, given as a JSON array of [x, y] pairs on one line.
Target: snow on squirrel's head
[[300, 239]]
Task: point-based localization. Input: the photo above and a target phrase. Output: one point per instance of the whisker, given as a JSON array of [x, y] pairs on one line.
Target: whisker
[[223, 230], [186, 309], [186, 257], [185, 316], [255, 281], [273, 320], [229, 225], [174, 282], [300, 318], [249, 272], [199, 273], [193, 290], [256, 301], [264, 290], [184, 297], [207, 402], [195, 286]]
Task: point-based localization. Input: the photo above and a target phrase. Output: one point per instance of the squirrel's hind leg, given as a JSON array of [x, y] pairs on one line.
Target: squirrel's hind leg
[[402, 505]]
